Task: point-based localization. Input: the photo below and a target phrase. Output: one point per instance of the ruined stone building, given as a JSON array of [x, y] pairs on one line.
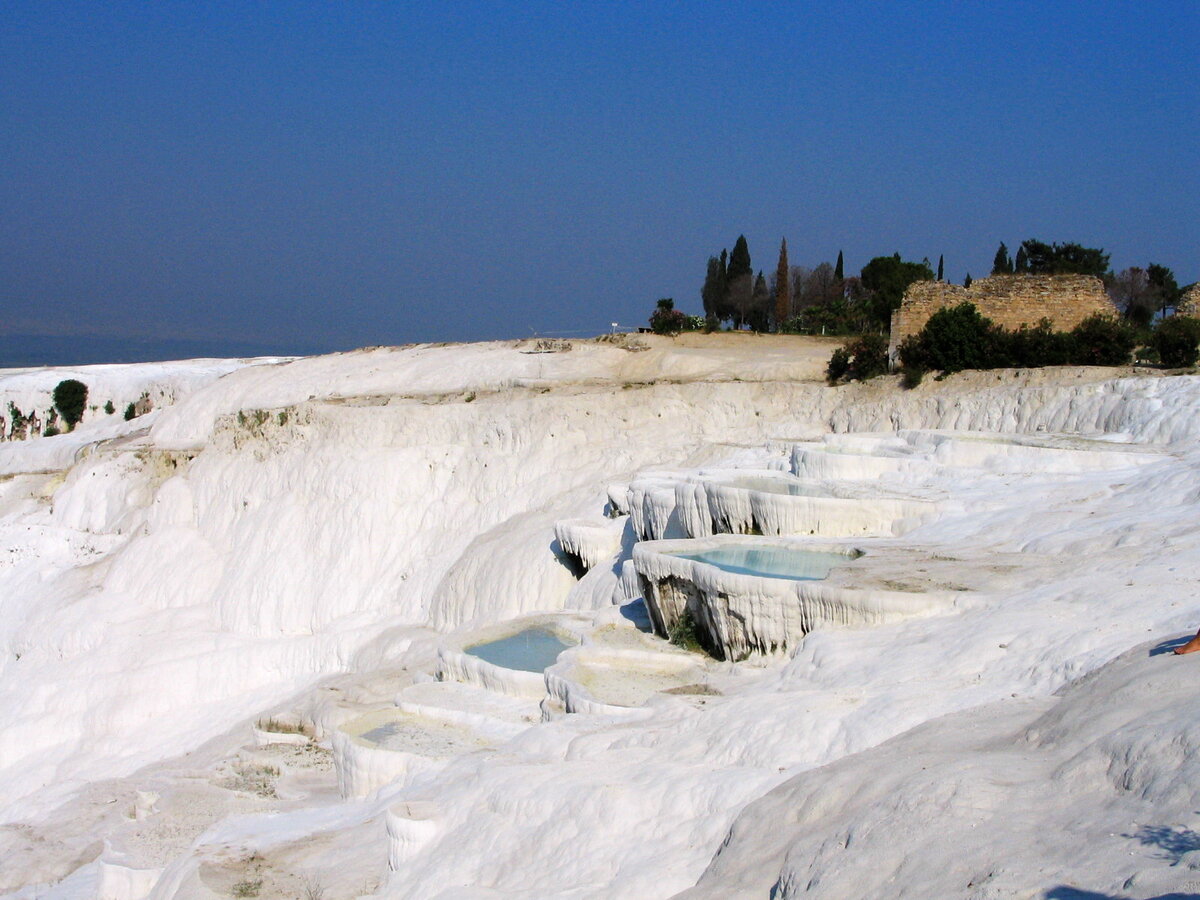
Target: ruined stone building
[[1190, 304], [1008, 300]]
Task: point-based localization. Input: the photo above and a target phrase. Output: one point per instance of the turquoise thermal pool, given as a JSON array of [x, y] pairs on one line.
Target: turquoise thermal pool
[[770, 562], [531, 650]]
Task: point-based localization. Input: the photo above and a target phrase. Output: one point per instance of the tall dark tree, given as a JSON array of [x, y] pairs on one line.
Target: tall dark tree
[[713, 292], [887, 278], [739, 259], [740, 280], [967, 280], [941, 260], [783, 283], [1166, 288], [759, 314], [838, 271], [1022, 263], [1002, 265]]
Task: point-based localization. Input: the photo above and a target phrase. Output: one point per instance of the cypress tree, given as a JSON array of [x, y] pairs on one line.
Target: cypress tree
[[967, 280], [724, 307], [838, 271], [783, 284], [1022, 263], [739, 259], [1002, 264], [712, 295], [940, 260], [760, 305]]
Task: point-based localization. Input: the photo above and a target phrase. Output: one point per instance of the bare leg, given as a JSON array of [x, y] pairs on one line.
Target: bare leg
[[1191, 646]]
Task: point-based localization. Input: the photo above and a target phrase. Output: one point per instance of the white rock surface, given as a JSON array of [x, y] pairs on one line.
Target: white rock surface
[[161, 591]]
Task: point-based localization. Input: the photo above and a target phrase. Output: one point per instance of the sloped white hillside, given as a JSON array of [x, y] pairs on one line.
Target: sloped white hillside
[[302, 542]]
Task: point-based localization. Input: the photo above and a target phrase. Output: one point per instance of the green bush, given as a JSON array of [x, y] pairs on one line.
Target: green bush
[[666, 319], [960, 338], [839, 365], [912, 376], [51, 430], [130, 412], [683, 633], [1101, 340], [1037, 346], [70, 399], [1177, 340], [868, 356], [109, 409], [861, 358]]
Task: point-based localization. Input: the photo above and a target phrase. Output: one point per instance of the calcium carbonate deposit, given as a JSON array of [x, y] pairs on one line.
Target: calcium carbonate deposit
[[236, 630]]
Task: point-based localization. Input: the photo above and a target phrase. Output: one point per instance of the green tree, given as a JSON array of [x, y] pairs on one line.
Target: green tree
[[967, 280], [887, 278], [1164, 285], [1062, 259], [70, 399], [838, 271], [1176, 339], [1001, 264], [941, 270], [712, 295], [739, 259], [759, 314], [783, 283]]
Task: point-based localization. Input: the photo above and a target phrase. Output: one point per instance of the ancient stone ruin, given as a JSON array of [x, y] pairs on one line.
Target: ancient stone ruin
[[1190, 304], [1008, 300]]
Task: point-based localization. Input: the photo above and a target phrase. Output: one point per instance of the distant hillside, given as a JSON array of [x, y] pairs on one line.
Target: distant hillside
[[24, 350]]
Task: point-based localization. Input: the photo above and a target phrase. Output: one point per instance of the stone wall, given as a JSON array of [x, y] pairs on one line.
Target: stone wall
[[1190, 304], [1008, 300]]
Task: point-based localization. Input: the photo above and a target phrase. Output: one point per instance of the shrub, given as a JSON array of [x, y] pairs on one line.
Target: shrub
[[666, 319], [960, 338], [912, 377], [1176, 339], [683, 633], [1039, 345], [839, 365], [1101, 340], [51, 430], [130, 412], [109, 409], [70, 399], [868, 356]]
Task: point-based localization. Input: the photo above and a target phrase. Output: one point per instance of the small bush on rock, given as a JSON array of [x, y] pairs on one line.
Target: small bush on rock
[[839, 365], [70, 399], [868, 356], [130, 412], [666, 319], [862, 358], [109, 409], [1177, 340]]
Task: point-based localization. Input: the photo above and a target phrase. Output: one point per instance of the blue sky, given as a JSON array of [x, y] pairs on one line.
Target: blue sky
[[346, 174]]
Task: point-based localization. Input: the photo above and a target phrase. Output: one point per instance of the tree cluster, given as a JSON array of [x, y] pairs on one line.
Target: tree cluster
[[1039, 258], [732, 292]]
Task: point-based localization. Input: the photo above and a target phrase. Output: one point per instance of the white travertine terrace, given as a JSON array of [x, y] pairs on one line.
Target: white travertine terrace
[[738, 615]]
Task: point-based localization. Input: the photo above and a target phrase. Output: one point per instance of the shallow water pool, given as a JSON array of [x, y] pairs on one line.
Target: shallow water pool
[[771, 562], [531, 650]]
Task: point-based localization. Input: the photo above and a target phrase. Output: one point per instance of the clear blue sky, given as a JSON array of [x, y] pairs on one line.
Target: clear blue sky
[[347, 173]]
